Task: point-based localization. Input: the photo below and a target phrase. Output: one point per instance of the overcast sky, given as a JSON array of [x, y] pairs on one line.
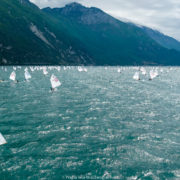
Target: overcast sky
[[161, 15]]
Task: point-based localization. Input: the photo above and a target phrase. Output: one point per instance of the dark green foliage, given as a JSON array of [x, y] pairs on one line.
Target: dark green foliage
[[16, 18], [74, 35]]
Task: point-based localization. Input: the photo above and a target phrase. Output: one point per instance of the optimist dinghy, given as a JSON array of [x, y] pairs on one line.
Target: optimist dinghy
[[136, 76], [12, 76], [54, 82], [27, 75]]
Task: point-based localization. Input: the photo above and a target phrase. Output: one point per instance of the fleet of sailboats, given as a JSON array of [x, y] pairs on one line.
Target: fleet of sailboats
[[140, 71], [81, 69], [55, 83]]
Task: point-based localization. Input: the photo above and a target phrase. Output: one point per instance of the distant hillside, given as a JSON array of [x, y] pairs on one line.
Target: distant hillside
[[163, 40], [110, 41], [29, 36], [75, 35]]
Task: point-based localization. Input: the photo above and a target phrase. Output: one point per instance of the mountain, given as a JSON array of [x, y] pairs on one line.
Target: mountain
[[163, 40], [110, 41], [75, 35], [29, 36]]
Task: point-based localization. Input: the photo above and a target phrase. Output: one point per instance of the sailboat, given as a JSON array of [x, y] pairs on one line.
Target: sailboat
[[143, 70], [85, 69], [2, 140], [45, 71], [153, 74], [58, 68], [54, 82], [26, 69], [136, 76], [13, 76], [27, 75], [80, 69], [119, 70], [32, 69]]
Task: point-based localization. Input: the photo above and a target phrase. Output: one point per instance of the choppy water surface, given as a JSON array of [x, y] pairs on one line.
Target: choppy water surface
[[99, 124]]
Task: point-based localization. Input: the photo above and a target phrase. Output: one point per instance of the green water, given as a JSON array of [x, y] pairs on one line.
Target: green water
[[100, 124]]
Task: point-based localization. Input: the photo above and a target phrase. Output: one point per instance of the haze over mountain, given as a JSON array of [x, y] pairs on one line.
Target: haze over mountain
[[75, 35]]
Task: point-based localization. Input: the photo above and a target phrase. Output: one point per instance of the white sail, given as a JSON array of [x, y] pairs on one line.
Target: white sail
[[153, 74], [2, 140], [32, 69], [156, 73], [119, 70], [45, 71], [58, 68], [12, 76], [80, 69], [27, 75], [55, 81], [26, 69], [143, 70], [136, 76], [85, 69]]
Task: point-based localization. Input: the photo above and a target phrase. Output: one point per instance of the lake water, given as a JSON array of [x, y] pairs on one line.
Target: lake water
[[100, 124]]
